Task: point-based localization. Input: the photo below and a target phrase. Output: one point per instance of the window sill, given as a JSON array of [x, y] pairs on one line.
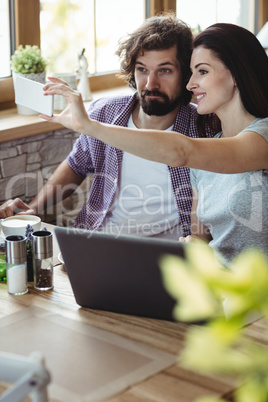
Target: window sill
[[14, 126]]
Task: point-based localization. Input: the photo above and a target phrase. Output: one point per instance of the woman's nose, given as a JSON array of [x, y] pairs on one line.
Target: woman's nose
[[191, 85]]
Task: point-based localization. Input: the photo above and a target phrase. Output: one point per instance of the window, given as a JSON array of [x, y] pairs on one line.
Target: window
[[200, 14], [67, 27], [27, 14], [5, 40]]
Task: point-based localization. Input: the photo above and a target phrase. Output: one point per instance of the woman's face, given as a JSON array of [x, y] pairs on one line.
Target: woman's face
[[211, 82]]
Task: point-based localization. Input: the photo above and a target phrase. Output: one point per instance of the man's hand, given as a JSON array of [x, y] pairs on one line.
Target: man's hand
[[74, 115], [14, 207]]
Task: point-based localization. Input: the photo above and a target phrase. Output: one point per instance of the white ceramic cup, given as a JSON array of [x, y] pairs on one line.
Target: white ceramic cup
[[16, 225]]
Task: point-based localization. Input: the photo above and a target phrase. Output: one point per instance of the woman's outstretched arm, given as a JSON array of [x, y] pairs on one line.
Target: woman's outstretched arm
[[246, 151]]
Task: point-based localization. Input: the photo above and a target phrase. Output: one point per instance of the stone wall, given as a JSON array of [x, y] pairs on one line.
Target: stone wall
[[27, 163]]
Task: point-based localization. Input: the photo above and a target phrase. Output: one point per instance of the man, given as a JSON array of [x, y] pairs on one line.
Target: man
[[130, 195]]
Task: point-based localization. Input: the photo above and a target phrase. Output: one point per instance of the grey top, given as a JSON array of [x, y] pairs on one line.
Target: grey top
[[234, 206]]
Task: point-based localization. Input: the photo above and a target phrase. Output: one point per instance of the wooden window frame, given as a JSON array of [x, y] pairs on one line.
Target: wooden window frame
[[27, 31], [263, 13], [157, 6]]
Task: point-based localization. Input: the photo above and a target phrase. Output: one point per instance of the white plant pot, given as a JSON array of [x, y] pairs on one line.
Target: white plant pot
[[40, 77]]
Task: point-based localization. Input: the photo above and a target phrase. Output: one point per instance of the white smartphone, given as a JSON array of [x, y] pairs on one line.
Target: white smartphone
[[30, 93]]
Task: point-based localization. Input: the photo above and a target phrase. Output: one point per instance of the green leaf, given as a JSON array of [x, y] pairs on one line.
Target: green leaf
[[28, 60], [205, 352], [252, 390], [201, 257], [2, 269], [195, 302]]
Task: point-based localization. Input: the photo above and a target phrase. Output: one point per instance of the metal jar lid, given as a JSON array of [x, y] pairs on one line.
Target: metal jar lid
[[42, 244], [15, 249]]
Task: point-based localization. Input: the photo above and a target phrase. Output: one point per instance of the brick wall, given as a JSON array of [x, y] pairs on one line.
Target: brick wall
[[26, 164]]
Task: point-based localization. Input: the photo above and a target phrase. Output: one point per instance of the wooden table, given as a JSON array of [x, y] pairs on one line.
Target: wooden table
[[173, 384]]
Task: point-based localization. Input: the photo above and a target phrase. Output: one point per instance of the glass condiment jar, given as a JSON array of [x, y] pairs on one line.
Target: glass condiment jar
[[16, 264], [42, 246]]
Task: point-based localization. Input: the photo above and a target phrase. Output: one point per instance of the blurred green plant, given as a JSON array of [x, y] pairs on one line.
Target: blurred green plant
[[227, 300], [3, 274], [196, 30], [28, 60]]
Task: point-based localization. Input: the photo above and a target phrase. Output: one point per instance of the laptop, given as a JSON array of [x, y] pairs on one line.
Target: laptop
[[118, 274]]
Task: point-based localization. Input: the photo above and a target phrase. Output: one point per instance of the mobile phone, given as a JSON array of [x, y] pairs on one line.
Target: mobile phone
[[30, 93]]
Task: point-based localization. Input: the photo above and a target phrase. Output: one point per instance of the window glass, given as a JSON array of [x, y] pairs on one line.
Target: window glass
[[114, 19], [4, 39], [200, 14], [68, 27]]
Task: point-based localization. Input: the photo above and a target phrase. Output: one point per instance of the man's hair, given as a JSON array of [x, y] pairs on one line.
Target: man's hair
[[158, 33]]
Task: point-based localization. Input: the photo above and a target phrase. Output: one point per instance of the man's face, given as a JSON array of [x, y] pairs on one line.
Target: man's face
[[158, 80]]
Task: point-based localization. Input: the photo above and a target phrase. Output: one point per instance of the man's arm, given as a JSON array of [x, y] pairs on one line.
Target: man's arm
[[59, 186]]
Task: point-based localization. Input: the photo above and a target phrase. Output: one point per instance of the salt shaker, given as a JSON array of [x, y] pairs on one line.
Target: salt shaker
[[42, 246], [16, 264]]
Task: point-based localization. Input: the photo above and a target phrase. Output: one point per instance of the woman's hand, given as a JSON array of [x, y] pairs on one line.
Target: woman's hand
[[192, 239], [186, 239], [74, 116]]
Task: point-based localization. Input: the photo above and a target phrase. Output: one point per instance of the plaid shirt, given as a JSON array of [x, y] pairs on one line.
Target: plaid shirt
[[91, 156]]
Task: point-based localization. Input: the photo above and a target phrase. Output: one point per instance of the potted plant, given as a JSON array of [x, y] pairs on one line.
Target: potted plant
[[28, 62]]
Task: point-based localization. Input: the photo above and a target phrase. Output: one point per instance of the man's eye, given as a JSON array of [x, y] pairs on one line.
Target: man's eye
[[165, 70], [141, 69]]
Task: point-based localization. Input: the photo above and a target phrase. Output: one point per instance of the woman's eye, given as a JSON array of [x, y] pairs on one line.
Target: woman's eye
[[202, 72]]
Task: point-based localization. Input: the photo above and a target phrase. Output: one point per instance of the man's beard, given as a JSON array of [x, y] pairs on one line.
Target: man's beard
[[156, 108]]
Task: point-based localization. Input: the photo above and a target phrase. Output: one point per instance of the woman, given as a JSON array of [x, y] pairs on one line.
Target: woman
[[229, 175]]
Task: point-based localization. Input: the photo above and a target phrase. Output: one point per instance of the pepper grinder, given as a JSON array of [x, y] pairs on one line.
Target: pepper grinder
[[16, 264], [42, 246]]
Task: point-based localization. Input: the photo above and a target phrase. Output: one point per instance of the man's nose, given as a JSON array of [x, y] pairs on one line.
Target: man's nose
[[152, 82]]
